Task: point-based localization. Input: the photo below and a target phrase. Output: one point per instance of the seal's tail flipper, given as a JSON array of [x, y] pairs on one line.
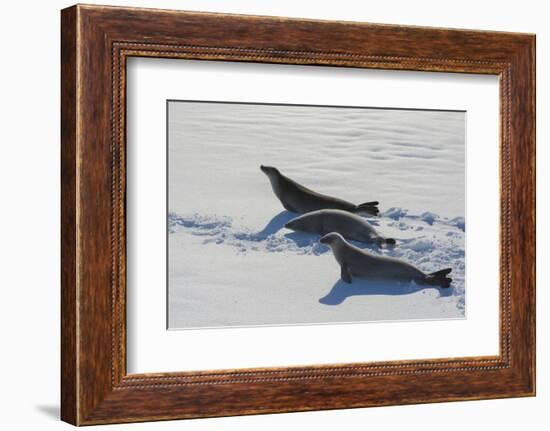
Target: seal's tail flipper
[[370, 208], [439, 278], [381, 241]]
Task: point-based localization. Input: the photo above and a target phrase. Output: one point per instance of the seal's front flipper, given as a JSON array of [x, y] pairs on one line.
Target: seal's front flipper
[[346, 276]]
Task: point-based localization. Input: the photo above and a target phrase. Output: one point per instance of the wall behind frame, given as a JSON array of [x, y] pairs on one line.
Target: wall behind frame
[[29, 220]]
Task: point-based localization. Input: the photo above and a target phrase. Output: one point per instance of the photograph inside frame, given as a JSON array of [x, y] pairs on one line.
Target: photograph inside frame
[[302, 214]]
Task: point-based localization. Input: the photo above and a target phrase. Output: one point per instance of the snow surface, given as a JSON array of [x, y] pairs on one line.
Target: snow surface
[[232, 262]]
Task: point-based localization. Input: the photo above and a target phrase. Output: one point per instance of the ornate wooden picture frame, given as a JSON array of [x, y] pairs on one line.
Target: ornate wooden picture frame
[[96, 41]]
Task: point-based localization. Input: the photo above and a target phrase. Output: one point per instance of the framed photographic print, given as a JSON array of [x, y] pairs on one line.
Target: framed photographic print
[[266, 215], [244, 226]]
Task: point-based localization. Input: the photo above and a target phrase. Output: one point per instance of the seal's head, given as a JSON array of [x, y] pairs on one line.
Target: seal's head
[[332, 239], [270, 171], [311, 222]]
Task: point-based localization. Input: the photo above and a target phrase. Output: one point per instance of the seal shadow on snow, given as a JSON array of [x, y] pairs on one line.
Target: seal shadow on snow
[[300, 239], [276, 224], [341, 290]]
